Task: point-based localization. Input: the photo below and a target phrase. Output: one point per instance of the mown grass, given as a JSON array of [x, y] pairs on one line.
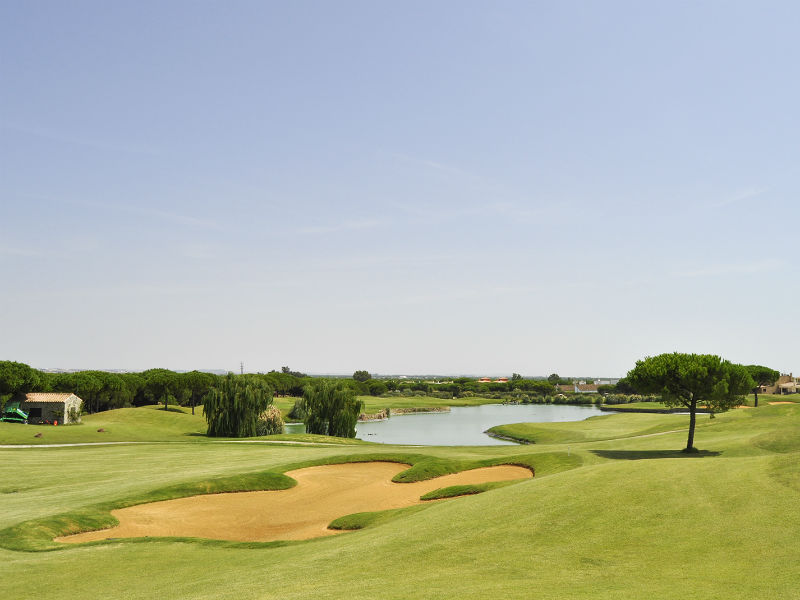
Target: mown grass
[[373, 404], [371, 519], [603, 427], [631, 519], [147, 423], [142, 424]]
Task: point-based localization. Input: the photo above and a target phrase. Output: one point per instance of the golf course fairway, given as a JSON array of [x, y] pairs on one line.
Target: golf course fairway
[[615, 511]]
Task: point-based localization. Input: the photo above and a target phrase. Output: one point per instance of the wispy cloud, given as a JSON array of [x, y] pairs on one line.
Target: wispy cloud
[[354, 263], [431, 164], [355, 224], [479, 196], [17, 251], [199, 251], [764, 266], [741, 196], [444, 296], [485, 210], [67, 138], [177, 218]]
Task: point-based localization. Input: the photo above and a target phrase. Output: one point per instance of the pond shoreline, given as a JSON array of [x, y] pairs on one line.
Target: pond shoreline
[[387, 413], [508, 438]]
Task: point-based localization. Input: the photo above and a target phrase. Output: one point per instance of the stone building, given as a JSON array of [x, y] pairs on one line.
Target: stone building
[[786, 384], [51, 407]]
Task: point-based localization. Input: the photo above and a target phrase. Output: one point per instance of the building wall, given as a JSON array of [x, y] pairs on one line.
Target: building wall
[[72, 402], [50, 411]]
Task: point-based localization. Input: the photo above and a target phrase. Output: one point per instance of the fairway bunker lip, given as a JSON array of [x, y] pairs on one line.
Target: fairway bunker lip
[[322, 494]]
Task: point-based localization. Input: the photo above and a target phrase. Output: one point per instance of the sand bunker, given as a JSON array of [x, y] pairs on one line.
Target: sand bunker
[[782, 402], [321, 495]]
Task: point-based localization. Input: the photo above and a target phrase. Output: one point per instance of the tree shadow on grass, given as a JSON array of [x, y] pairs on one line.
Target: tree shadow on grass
[[651, 454]]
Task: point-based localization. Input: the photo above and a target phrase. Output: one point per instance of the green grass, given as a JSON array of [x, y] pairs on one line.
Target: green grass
[[143, 424], [638, 405], [464, 490], [372, 519], [604, 427], [148, 423], [38, 534], [373, 404], [610, 514]]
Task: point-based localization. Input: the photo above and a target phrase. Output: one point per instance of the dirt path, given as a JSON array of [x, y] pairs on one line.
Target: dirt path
[[321, 495]]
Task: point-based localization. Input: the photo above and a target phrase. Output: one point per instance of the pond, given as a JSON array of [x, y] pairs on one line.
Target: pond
[[462, 426]]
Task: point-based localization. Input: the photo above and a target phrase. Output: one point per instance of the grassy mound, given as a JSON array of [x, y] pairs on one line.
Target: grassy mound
[[603, 427]]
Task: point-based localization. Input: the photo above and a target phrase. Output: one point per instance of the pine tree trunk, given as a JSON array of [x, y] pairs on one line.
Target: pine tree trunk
[[692, 420], [755, 393]]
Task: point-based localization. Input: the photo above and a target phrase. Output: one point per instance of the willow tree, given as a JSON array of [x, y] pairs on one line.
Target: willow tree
[[233, 406], [332, 409], [692, 380]]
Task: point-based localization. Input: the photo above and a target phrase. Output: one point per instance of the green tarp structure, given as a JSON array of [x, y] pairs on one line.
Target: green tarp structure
[[13, 414]]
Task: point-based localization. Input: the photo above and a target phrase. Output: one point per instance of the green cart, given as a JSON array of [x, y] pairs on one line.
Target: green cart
[[13, 414]]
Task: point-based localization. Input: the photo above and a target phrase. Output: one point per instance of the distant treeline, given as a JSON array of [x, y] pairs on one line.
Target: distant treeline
[[101, 390]]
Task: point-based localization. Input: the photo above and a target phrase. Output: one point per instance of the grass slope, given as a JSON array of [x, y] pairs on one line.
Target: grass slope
[[147, 423], [629, 518]]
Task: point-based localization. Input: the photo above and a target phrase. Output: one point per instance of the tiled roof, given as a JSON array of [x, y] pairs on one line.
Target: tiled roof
[[47, 396]]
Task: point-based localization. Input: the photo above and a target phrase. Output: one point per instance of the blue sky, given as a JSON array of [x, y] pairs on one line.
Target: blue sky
[[449, 187]]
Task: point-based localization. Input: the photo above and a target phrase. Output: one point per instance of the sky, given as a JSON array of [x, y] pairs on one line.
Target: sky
[[407, 187]]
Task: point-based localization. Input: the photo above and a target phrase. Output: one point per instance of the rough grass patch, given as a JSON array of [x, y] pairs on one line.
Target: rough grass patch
[[370, 519]]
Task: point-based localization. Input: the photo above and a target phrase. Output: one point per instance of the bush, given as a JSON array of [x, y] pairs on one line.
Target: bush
[[298, 412], [270, 422], [74, 415]]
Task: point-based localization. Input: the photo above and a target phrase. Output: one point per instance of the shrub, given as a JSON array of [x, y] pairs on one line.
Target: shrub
[[74, 415], [298, 412], [270, 422]]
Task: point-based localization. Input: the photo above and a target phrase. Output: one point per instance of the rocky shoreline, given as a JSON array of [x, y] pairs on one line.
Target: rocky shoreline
[[387, 413]]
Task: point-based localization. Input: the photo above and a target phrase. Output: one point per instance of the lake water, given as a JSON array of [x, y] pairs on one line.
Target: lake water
[[462, 426]]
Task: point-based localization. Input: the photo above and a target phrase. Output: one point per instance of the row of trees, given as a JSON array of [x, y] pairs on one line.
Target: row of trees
[[101, 390]]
